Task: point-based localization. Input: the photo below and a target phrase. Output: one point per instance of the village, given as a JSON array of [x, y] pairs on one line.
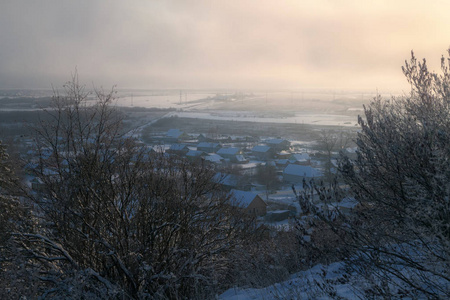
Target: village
[[260, 172], [259, 163]]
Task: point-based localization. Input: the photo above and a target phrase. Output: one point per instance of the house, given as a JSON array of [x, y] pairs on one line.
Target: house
[[347, 205], [208, 147], [278, 144], [202, 138], [296, 173], [45, 152], [283, 155], [151, 150], [278, 215], [37, 184], [175, 135], [240, 159], [195, 154], [282, 163], [232, 181], [229, 153], [263, 152], [300, 159], [214, 158], [178, 149], [251, 202]]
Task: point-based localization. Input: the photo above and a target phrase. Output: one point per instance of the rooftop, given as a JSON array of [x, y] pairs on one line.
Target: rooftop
[[243, 198], [298, 170]]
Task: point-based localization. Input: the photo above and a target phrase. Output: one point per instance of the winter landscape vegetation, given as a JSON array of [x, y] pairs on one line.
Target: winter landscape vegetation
[[259, 192]]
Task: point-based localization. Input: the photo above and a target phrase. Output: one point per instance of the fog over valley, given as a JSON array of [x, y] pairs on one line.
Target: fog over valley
[[197, 44]]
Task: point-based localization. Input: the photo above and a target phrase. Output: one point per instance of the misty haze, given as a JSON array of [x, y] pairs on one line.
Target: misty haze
[[224, 150]]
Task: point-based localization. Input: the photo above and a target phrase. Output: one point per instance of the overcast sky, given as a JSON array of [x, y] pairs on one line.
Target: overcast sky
[[219, 44]]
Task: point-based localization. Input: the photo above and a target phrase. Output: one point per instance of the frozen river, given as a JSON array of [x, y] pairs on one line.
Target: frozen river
[[246, 116]]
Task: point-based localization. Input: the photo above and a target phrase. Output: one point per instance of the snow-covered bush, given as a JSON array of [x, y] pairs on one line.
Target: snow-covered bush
[[401, 178]]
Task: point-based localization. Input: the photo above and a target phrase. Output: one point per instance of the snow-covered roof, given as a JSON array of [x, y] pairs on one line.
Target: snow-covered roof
[[351, 149], [334, 162], [49, 172], [149, 148], [37, 180], [284, 153], [348, 202], [298, 170], [194, 153], [178, 147], [207, 145], [243, 198], [250, 165], [282, 161], [228, 151], [226, 179], [280, 212], [214, 158], [240, 158], [261, 148]]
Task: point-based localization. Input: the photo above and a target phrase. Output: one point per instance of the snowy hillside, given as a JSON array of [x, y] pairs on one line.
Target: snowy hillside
[[303, 285]]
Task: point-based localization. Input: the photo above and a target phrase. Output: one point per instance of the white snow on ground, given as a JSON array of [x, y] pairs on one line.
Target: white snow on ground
[[299, 118], [302, 285], [250, 165], [335, 281]]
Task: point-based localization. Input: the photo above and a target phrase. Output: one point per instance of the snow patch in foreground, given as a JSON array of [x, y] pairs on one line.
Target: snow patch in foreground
[[302, 285]]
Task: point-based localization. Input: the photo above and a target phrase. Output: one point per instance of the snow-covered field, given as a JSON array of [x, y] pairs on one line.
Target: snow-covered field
[[299, 118], [277, 107]]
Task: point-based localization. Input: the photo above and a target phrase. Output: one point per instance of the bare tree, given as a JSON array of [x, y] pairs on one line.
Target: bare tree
[[15, 280], [126, 222], [267, 175], [328, 142]]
